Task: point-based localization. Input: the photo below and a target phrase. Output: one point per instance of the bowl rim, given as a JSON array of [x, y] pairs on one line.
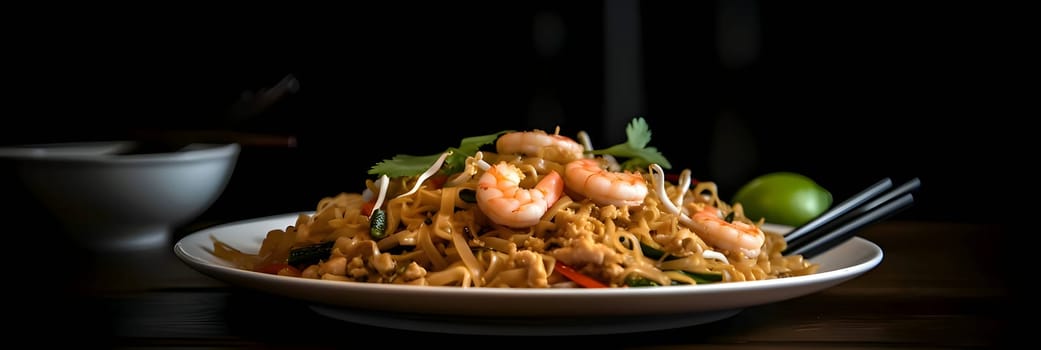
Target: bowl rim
[[110, 152]]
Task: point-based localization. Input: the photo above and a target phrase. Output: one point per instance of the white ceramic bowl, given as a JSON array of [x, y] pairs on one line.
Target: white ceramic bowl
[[109, 199]]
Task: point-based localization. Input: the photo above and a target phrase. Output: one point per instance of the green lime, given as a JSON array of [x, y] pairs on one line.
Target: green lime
[[783, 198]]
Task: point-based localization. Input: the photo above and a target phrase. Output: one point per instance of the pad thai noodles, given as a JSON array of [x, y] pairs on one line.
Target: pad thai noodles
[[527, 209]]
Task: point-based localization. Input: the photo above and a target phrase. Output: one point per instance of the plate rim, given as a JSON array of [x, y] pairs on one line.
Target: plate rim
[[581, 302]]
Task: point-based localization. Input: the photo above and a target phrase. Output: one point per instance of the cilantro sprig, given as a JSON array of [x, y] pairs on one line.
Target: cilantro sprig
[[635, 148], [411, 165]]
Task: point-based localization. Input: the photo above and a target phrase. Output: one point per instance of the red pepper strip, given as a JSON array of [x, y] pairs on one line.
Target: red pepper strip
[[437, 181], [366, 208], [578, 277], [675, 178]]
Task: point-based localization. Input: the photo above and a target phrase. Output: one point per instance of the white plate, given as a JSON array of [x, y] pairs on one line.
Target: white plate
[[497, 311]]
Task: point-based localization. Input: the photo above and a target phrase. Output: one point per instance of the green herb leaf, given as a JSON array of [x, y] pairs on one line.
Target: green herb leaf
[[467, 148], [471, 144], [638, 132], [404, 165], [635, 148], [410, 165]]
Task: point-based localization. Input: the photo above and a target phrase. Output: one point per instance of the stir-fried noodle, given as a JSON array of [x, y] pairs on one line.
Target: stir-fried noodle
[[540, 211]]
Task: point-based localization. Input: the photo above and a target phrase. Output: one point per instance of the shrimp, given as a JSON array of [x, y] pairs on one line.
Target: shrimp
[[538, 143], [500, 197], [586, 177], [734, 236]]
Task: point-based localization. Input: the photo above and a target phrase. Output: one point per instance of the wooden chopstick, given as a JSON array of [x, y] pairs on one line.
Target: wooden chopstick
[[842, 222], [246, 139]]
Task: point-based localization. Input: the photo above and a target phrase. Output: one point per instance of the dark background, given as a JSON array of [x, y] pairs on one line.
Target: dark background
[[844, 92]]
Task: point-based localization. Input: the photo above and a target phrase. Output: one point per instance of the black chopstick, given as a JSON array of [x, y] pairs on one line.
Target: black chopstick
[[840, 228], [844, 207], [844, 232]]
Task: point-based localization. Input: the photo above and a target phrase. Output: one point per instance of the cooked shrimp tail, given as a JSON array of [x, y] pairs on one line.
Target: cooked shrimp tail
[[501, 199], [587, 177], [734, 236], [538, 143]]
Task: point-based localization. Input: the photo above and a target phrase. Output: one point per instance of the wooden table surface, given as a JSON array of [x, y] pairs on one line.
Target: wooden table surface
[[939, 285]]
